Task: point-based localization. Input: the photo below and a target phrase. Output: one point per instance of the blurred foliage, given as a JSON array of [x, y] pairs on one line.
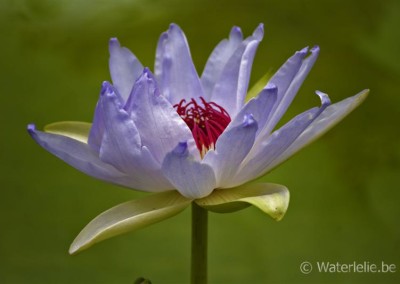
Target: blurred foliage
[[344, 188]]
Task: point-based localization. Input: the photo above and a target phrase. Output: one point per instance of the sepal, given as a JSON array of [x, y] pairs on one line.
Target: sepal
[[73, 129], [258, 86], [130, 216], [270, 198]]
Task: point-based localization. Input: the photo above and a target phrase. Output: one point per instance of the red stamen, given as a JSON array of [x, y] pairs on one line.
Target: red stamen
[[206, 122]]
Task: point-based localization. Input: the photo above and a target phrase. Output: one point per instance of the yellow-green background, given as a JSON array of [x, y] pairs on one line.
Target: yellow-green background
[[344, 188]]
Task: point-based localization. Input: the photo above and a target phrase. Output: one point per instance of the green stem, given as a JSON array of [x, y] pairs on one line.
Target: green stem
[[199, 245]]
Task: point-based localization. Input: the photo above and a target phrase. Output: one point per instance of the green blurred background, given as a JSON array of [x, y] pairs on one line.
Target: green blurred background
[[344, 188]]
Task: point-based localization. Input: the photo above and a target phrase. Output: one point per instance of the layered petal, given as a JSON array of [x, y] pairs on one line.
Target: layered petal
[[80, 156], [260, 107], [122, 147], [191, 178], [125, 68], [288, 79], [218, 59], [97, 129], [174, 68], [231, 88], [232, 147], [266, 153], [159, 125], [325, 121], [141, 136]]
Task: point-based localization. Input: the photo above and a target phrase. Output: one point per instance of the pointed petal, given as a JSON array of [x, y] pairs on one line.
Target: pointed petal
[[231, 88], [332, 115], [270, 198], [288, 71], [190, 177], [122, 147], [159, 125], [97, 130], [260, 107], [218, 59], [265, 153], [80, 156], [125, 68], [174, 67], [232, 147], [73, 129], [129, 216], [288, 80]]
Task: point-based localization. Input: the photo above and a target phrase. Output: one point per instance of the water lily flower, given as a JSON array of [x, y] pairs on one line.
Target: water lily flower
[[190, 138]]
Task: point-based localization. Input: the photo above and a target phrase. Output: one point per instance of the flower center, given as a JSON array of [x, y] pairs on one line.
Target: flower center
[[206, 121]]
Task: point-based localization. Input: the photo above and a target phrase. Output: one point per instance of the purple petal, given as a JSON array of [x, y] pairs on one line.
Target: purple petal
[[122, 146], [325, 121], [288, 80], [191, 178], [159, 125], [80, 156], [218, 59], [260, 107], [97, 129], [231, 88], [125, 68], [232, 147], [265, 153], [174, 67]]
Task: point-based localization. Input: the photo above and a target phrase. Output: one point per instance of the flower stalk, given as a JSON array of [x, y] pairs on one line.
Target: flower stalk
[[199, 244]]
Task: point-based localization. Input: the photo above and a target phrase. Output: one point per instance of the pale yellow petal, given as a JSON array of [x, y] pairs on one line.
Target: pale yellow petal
[[73, 129], [130, 216], [258, 86], [270, 198]]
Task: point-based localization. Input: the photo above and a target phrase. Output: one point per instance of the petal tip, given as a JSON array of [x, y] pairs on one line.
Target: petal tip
[[174, 27], [248, 120], [364, 93], [361, 96], [147, 72], [113, 43], [315, 49], [303, 52], [31, 127], [73, 249], [106, 88], [235, 31], [325, 100], [181, 149], [259, 32], [271, 87]]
